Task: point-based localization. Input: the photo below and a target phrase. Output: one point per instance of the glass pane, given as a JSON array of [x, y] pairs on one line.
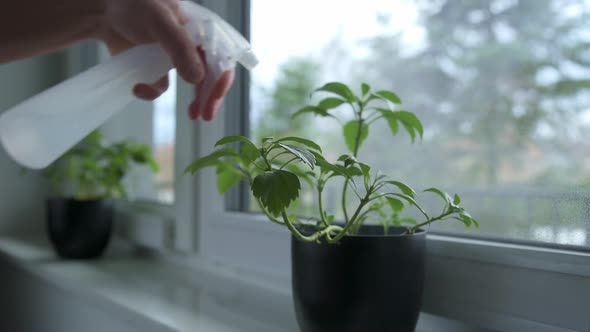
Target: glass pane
[[164, 141], [501, 87]]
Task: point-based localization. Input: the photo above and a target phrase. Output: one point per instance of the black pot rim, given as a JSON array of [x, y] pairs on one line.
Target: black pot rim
[[419, 232], [72, 199]]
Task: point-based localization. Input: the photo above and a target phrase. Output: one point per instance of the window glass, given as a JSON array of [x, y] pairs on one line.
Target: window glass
[[502, 88], [164, 137]]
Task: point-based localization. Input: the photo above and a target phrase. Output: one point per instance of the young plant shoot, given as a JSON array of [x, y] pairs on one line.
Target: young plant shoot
[[276, 168]]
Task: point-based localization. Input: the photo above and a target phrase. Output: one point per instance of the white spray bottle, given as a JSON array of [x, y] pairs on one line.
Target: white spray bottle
[[39, 130]]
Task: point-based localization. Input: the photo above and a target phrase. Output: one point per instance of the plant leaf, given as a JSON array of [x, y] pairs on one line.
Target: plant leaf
[[456, 200], [339, 89], [301, 153], [348, 160], [395, 204], [353, 130], [466, 222], [326, 166], [154, 166], [248, 149], [403, 187], [440, 193], [354, 171], [389, 96], [276, 190], [233, 139], [391, 120], [409, 200], [250, 152], [411, 122], [344, 157], [380, 176], [330, 103], [306, 142], [227, 176], [306, 176], [312, 109], [211, 159], [468, 219], [329, 218], [365, 169], [365, 88]]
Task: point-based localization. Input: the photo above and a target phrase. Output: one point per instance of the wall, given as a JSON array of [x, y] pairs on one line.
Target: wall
[[21, 196]]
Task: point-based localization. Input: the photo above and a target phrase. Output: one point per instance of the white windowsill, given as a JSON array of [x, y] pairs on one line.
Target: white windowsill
[[491, 285], [142, 287], [161, 296]]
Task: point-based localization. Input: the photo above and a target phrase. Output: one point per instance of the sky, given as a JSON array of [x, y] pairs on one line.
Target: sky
[[283, 29]]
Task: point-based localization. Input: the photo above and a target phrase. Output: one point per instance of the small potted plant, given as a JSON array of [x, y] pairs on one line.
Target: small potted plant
[[366, 272], [84, 181]]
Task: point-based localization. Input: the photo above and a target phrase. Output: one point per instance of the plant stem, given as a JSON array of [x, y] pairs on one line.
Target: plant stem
[[264, 155], [312, 238], [360, 217], [413, 229], [257, 166], [359, 114], [321, 206], [288, 162], [359, 130], [277, 155], [268, 215], [416, 205], [373, 120], [357, 139], [344, 190], [350, 223]]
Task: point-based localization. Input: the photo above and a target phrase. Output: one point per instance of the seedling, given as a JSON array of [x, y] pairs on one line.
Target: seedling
[[276, 168], [94, 169]]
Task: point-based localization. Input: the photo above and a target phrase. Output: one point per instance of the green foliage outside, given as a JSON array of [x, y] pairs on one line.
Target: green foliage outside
[[500, 87], [491, 75], [296, 80]]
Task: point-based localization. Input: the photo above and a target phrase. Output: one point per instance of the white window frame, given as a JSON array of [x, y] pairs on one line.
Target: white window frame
[[492, 285]]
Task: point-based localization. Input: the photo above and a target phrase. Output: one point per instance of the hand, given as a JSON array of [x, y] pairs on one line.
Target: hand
[[132, 22], [210, 92]]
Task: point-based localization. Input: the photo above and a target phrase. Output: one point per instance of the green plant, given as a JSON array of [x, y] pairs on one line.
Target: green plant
[[276, 168], [94, 169]]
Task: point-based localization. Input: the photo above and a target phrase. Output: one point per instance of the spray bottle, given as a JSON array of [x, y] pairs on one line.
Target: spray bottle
[[39, 130]]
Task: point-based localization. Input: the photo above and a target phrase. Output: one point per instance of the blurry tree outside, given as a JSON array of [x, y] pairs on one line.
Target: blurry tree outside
[[503, 90]]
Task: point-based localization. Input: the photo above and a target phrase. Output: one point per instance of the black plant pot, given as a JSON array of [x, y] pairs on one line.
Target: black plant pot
[[79, 229], [369, 282]]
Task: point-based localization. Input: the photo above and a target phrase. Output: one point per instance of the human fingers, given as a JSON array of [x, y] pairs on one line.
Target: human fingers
[[175, 40], [151, 91], [217, 95]]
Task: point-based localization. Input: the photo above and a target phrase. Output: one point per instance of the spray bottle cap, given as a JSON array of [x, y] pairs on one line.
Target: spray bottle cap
[[217, 37]]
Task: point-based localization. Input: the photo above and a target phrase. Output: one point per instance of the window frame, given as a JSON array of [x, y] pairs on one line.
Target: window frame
[[494, 285]]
